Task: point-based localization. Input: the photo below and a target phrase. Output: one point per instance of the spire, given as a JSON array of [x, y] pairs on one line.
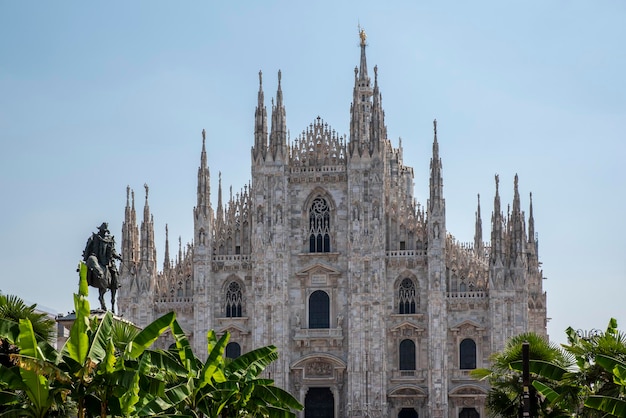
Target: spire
[[220, 207], [148, 251], [478, 234], [130, 231], [516, 200], [146, 207], [363, 65], [204, 183], [379, 130], [166, 258], [517, 238], [531, 224], [361, 107], [260, 124], [436, 181], [203, 162], [278, 134], [496, 227]]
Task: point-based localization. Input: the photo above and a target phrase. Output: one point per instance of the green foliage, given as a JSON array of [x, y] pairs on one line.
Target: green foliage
[[108, 368], [504, 377], [590, 383], [13, 308]]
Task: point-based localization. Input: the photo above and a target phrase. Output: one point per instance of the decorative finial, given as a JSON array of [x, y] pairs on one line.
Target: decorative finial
[[203, 135], [362, 35], [279, 77], [145, 185], [435, 126], [260, 78], [497, 181]]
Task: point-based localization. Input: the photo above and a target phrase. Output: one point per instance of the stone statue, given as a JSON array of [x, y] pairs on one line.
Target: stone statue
[[100, 257]]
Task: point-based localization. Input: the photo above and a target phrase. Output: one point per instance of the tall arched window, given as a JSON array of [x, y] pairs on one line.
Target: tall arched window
[[234, 300], [319, 226], [406, 297], [467, 354], [319, 310], [407, 355], [233, 350]]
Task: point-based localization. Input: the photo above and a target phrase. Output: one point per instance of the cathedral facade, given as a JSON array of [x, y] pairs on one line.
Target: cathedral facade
[[376, 310]]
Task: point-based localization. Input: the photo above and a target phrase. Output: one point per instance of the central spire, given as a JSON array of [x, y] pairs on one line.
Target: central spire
[[361, 107], [363, 65]]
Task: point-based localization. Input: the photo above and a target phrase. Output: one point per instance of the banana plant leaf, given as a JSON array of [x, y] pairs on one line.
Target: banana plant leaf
[[542, 368], [613, 406]]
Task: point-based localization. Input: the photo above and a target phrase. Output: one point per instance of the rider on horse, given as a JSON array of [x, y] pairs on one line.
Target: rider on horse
[[100, 256]]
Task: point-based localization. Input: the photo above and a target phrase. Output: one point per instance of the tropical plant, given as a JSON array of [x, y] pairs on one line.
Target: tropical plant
[[220, 387], [13, 308], [505, 396], [614, 404], [106, 368], [595, 385]]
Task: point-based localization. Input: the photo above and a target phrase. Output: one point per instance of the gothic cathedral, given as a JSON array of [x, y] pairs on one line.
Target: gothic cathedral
[[376, 310]]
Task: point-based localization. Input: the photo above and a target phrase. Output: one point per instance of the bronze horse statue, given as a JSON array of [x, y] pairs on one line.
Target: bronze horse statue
[[100, 256]]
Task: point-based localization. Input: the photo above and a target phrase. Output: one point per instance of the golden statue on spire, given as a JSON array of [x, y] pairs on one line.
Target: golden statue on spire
[[362, 35]]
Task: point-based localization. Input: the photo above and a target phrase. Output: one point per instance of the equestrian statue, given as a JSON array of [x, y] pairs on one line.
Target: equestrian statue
[[100, 256]]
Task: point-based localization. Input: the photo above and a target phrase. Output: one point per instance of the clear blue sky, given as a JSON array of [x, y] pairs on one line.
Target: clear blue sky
[[95, 97]]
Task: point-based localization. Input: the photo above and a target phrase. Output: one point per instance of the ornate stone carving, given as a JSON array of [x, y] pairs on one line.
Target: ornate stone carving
[[318, 369]]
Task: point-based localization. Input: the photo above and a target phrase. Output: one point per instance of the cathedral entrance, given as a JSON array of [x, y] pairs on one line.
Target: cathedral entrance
[[469, 413], [407, 413], [319, 403]]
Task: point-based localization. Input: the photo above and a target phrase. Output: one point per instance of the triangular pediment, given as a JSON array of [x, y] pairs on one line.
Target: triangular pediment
[[233, 328], [467, 324], [318, 268], [407, 325]]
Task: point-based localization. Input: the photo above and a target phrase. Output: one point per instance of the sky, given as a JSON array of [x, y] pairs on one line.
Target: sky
[[95, 97]]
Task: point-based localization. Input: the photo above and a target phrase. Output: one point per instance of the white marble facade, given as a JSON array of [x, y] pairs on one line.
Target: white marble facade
[[375, 308]]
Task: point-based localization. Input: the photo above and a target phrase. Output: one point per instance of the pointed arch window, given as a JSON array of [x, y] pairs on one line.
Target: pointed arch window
[[234, 300], [319, 226], [407, 355], [406, 297], [319, 310], [467, 354]]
